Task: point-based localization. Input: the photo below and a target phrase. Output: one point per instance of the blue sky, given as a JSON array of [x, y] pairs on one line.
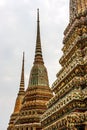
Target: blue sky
[[17, 34]]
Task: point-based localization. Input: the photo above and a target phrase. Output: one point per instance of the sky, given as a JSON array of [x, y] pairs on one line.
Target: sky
[[17, 34]]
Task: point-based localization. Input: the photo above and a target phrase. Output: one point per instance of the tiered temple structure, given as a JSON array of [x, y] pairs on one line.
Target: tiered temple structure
[[37, 94], [19, 100], [67, 110]]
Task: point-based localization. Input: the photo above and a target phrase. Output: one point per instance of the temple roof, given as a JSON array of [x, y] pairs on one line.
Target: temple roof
[[19, 99], [77, 8], [38, 75], [21, 90], [38, 92]]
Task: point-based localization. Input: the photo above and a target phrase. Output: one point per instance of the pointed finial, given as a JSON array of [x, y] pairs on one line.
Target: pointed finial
[[38, 15], [21, 89], [38, 51]]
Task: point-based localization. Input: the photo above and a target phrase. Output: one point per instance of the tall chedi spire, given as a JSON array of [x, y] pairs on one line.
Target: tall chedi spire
[[38, 51], [21, 89], [67, 110], [37, 76], [38, 92], [19, 100]]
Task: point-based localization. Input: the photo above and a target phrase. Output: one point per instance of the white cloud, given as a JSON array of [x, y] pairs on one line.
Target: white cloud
[[2, 3]]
